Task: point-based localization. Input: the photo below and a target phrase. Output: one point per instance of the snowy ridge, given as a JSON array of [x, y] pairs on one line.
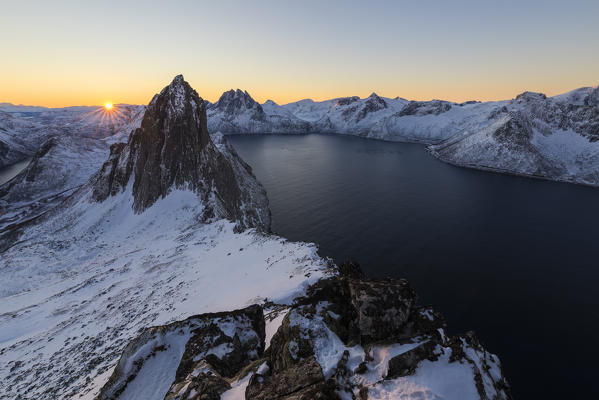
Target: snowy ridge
[[550, 138], [82, 281], [317, 351], [70, 146], [374, 117], [105, 294], [100, 283]]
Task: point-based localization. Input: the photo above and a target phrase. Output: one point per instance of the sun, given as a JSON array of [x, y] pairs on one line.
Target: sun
[[108, 106]]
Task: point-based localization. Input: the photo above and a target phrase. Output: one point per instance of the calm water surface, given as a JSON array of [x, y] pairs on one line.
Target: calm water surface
[[514, 259], [7, 173]]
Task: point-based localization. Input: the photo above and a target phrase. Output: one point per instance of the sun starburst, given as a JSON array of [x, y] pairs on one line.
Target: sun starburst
[[105, 119]]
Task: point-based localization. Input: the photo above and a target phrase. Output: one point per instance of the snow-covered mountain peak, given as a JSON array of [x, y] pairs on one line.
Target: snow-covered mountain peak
[[270, 103], [175, 97], [173, 150], [236, 99], [375, 100], [238, 104]]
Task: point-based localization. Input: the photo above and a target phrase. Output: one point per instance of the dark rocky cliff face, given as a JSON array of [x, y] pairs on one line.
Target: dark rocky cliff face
[[368, 317], [173, 150]]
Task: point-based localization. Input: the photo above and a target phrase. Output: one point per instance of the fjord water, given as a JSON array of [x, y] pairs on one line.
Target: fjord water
[[514, 259]]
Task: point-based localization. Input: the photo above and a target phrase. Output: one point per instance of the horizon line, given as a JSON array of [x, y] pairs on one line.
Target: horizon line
[[303, 99]]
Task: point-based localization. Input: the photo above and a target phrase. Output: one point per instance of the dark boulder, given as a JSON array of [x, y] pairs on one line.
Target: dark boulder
[[303, 380]]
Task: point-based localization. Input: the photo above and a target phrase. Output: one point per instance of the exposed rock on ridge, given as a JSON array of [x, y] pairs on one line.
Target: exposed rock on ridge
[[349, 338], [172, 149], [210, 348]]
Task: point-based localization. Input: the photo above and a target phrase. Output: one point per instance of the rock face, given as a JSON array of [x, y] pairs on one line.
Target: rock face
[[348, 337], [371, 339], [420, 108], [197, 355], [173, 150]]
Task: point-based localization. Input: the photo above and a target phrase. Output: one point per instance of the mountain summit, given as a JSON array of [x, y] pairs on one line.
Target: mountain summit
[[173, 150]]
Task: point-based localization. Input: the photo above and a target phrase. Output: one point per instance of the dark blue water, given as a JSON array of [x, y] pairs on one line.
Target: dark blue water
[[514, 259]]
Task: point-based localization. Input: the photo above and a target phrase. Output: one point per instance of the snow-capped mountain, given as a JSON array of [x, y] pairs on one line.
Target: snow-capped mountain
[[66, 147], [533, 135], [173, 150], [237, 112], [373, 117], [106, 294]]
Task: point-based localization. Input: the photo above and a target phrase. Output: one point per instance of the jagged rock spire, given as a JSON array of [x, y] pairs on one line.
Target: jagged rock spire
[[169, 143], [172, 149]]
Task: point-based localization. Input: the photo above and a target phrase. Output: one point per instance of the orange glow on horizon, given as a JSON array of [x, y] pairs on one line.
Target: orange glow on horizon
[[58, 93]]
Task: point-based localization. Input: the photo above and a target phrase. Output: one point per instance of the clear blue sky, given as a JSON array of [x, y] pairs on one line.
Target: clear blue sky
[[83, 52]]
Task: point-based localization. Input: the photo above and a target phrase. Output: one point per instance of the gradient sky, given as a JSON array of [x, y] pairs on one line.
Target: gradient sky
[[58, 53]]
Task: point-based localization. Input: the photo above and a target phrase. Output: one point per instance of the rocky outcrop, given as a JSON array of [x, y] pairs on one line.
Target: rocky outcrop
[[349, 325], [348, 337], [199, 353], [419, 108], [372, 104], [354, 109], [173, 150], [549, 116]]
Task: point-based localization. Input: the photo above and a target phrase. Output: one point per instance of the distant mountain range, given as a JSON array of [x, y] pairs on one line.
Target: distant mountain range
[[532, 135]]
